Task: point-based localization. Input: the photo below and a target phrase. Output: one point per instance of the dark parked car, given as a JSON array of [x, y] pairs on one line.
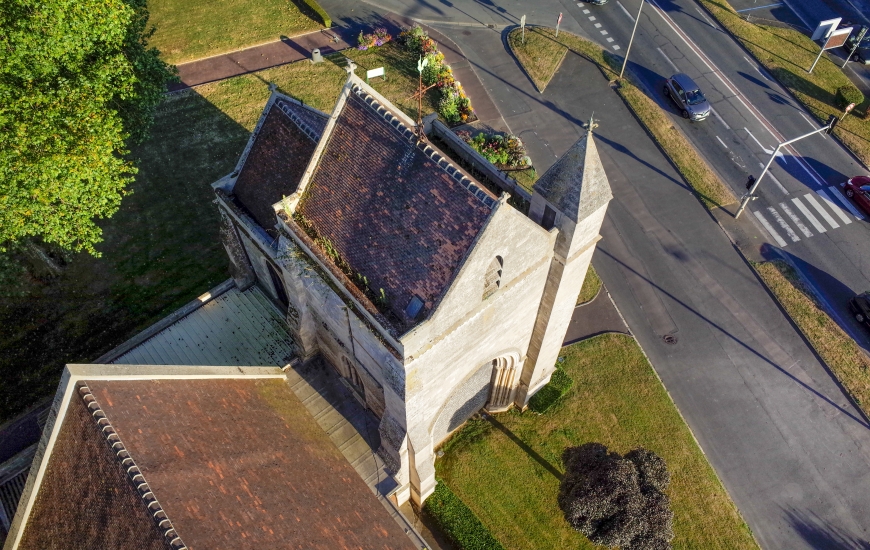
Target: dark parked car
[[686, 95], [860, 305], [858, 189], [862, 53], [596, 2]]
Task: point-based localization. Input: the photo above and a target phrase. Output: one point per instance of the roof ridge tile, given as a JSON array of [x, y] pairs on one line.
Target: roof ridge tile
[[122, 455], [312, 134]]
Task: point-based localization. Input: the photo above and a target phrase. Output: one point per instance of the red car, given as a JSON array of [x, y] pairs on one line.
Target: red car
[[858, 189]]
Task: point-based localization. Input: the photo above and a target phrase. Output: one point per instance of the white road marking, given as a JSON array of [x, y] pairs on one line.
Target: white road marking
[[737, 93], [834, 206], [814, 125], [609, 39], [812, 200], [846, 202], [722, 142], [615, 47], [788, 230], [776, 181], [584, 11], [668, 59], [592, 18], [797, 221], [719, 118], [763, 148], [705, 17], [760, 7], [625, 11], [597, 25], [758, 69], [809, 215], [779, 240], [604, 32]]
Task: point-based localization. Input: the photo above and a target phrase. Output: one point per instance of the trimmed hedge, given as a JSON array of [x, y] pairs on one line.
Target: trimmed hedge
[[849, 94], [457, 522], [315, 7], [547, 396]]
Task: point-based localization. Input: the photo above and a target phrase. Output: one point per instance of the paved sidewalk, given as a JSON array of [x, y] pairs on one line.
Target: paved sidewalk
[[257, 58], [598, 316]]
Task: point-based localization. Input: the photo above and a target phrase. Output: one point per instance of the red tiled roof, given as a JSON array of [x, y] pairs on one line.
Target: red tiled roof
[[240, 463], [86, 500], [278, 157], [399, 213]]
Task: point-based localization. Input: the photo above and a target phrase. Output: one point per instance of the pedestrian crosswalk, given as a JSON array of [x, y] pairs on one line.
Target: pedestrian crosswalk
[[820, 211]]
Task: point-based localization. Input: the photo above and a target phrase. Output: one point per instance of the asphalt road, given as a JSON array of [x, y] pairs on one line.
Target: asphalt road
[[791, 450]]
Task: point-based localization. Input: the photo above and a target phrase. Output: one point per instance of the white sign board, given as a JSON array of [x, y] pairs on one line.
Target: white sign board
[[374, 73], [825, 28]]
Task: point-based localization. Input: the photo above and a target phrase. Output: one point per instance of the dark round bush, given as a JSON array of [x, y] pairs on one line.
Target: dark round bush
[[849, 94]]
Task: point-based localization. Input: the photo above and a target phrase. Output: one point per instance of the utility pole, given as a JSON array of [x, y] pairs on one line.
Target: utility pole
[[828, 128], [627, 51]]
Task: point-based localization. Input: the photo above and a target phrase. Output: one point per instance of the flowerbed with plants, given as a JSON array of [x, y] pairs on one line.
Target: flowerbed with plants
[[504, 151], [379, 37], [454, 106]]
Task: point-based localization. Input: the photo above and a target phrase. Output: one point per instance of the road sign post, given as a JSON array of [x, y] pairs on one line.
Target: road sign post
[[855, 47], [523, 26], [558, 21], [835, 39]]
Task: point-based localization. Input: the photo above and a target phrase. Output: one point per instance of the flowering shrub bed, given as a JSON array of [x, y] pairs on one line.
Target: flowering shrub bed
[[454, 106], [504, 151], [379, 37]]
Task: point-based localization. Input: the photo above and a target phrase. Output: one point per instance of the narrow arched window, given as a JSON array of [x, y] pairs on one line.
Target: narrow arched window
[[278, 285], [492, 280]]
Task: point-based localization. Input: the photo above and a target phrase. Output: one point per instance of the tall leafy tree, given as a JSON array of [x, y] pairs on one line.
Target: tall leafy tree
[[78, 82]]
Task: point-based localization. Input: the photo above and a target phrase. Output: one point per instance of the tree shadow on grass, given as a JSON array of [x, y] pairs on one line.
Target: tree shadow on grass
[[525, 448]]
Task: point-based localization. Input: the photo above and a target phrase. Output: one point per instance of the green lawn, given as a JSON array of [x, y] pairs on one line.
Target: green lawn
[[162, 248], [591, 286], [537, 57], [838, 349], [507, 471], [787, 54], [192, 29]]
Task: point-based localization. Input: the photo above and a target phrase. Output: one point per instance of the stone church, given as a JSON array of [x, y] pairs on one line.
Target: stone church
[[380, 296], [429, 293]]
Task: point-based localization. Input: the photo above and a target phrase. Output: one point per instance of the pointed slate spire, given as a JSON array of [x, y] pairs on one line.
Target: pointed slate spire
[[577, 184]]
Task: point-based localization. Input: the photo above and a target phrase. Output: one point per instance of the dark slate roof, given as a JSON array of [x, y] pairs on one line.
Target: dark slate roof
[[86, 500], [398, 213], [240, 463], [279, 155]]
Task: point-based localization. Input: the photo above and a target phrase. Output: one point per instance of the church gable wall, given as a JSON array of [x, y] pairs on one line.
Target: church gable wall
[[472, 331]]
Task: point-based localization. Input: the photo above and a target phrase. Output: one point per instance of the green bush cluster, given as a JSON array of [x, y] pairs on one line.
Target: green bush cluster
[[315, 7], [457, 522], [501, 150], [849, 94], [547, 396]]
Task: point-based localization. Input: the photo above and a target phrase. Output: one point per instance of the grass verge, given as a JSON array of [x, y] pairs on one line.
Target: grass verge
[[162, 248], [507, 470], [457, 522], [591, 286], [192, 29], [711, 191], [834, 346], [526, 178], [539, 56], [547, 396], [787, 54]]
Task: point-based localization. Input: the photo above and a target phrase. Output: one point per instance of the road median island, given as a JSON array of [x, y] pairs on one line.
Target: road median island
[[787, 54], [839, 351], [506, 468], [694, 170]]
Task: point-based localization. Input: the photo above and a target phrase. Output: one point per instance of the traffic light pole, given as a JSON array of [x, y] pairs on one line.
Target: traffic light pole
[[751, 194]]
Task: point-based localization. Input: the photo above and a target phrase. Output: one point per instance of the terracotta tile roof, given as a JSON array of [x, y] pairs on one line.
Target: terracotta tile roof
[[279, 155], [400, 214], [240, 463], [86, 500]]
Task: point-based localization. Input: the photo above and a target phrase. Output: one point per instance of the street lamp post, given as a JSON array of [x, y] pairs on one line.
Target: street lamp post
[[628, 50], [751, 194]]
